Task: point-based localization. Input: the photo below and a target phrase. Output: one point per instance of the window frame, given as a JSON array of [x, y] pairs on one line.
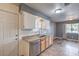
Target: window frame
[[72, 31]]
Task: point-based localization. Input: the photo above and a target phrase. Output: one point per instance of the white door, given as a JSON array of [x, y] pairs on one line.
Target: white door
[[10, 33]]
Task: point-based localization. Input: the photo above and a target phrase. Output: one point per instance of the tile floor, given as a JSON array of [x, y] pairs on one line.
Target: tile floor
[[62, 48]]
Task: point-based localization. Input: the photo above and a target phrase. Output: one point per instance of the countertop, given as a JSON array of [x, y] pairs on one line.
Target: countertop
[[32, 38]]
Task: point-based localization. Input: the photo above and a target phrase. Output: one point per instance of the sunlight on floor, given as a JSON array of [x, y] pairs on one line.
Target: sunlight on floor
[[71, 50]]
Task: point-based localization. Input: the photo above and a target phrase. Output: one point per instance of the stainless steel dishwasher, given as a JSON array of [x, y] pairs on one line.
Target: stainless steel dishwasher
[[34, 48]]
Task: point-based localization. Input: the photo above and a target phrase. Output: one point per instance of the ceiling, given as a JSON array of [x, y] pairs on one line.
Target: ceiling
[[69, 12]]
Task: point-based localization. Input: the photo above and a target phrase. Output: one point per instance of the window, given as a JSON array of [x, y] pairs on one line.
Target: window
[[72, 28], [68, 28]]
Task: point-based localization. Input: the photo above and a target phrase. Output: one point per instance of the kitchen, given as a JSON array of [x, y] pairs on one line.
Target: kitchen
[[39, 29]]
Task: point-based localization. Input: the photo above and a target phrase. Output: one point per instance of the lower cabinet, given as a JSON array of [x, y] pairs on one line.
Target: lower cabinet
[[43, 43], [29, 48], [34, 48], [47, 42], [50, 40]]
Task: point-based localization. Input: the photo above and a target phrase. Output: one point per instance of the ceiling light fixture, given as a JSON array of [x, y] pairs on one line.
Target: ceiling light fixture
[[58, 10]]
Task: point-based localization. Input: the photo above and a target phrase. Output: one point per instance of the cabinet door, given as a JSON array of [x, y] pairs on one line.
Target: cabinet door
[[10, 26], [43, 24], [35, 48], [50, 40], [43, 44], [38, 22], [29, 20]]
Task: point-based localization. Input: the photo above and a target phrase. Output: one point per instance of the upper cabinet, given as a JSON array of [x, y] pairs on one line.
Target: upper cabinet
[[38, 22], [42, 23], [28, 20], [45, 24], [34, 22]]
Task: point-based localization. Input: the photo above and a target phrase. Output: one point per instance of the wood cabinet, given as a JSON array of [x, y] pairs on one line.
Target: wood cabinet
[[43, 43], [23, 48], [47, 42], [42, 23], [38, 22], [45, 23], [34, 48], [29, 48], [50, 40], [28, 20]]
